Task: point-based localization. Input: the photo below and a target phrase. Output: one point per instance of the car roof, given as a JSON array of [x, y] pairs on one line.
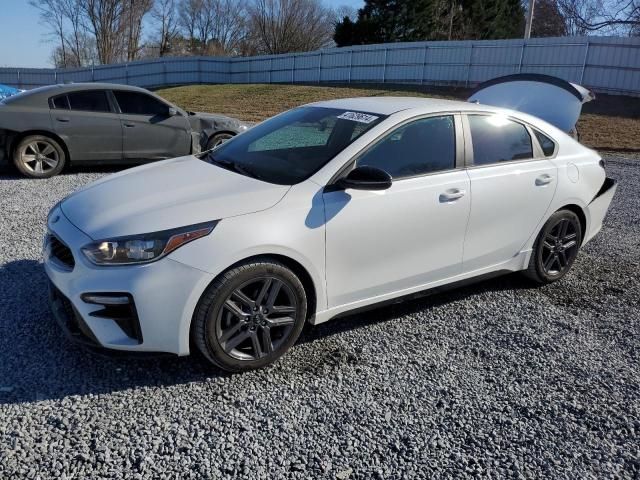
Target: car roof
[[391, 105], [39, 96]]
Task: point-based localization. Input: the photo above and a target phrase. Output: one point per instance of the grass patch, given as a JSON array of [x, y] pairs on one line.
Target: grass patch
[[608, 123]]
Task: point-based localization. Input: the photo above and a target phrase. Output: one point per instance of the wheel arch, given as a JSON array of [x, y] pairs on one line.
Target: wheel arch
[[572, 207], [17, 138]]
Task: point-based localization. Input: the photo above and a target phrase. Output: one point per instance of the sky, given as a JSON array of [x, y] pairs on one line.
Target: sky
[[24, 42]]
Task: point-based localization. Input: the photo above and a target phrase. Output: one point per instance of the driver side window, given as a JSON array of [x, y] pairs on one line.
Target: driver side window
[[424, 146]]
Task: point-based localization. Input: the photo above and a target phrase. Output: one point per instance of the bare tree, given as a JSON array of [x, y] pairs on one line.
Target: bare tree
[[104, 20], [610, 16], [133, 13], [164, 14], [53, 16], [282, 26]]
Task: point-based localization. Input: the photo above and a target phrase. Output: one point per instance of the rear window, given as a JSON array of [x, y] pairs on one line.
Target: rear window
[[497, 139], [89, 101]]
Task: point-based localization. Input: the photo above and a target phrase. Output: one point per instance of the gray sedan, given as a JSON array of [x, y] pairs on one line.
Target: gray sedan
[[44, 129]]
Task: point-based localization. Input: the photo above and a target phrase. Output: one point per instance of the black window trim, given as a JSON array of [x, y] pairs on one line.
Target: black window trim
[[118, 109], [459, 146], [538, 154]]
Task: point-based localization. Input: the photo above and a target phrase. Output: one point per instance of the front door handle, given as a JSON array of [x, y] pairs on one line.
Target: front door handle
[[544, 179], [129, 125], [63, 119], [452, 195]]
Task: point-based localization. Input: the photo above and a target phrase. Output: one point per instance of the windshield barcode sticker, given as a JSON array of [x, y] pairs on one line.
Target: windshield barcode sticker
[[358, 117]]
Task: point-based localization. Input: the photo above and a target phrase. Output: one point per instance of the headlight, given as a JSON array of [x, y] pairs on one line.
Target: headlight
[[144, 248]]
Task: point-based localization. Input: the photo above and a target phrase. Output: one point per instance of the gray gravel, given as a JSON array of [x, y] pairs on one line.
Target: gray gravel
[[495, 379]]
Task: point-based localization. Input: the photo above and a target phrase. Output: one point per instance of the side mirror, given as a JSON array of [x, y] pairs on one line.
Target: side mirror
[[366, 178], [173, 112]]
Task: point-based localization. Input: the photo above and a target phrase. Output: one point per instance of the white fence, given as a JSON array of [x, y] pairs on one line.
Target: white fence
[[604, 64]]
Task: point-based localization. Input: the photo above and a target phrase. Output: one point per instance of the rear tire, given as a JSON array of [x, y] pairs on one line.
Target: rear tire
[[39, 156], [250, 316], [556, 248]]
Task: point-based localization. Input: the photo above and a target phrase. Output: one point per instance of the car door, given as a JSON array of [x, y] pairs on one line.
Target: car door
[[380, 242], [88, 125], [150, 130], [512, 184]]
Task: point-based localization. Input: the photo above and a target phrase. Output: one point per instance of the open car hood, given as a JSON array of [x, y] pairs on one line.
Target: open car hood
[[550, 98]]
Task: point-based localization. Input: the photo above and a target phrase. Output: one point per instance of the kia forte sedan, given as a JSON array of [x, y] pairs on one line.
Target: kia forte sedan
[[321, 210]]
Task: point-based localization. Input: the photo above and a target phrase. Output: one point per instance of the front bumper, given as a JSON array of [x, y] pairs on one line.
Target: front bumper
[[599, 206], [163, 297]]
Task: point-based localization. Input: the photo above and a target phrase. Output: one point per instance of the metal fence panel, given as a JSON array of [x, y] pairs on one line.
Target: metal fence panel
[[605, 64]]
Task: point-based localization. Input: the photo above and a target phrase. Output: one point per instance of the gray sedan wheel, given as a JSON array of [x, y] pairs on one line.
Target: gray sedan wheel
[[38, 156], [218, 139]]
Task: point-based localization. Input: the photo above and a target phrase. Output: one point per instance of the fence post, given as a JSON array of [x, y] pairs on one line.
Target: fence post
[[424, 65], [270, 68], [384, 68], [55, 76], [320, 67], [524, 44], [584, 62], [19, 80], [466, 84], [126, 73], [350, 64], [293, 70]]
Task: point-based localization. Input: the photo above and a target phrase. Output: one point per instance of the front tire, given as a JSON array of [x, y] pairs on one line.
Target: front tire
[[556, 248], [39, 156], [218, 139], [250, 316]]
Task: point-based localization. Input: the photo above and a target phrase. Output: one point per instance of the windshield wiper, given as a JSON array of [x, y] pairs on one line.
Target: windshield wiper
[[234, 167]]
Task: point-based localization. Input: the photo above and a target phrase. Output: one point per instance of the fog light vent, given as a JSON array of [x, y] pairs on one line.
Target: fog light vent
[[118, 307]]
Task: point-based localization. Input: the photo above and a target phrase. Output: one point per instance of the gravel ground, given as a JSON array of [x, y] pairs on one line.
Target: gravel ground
[[495, 379]]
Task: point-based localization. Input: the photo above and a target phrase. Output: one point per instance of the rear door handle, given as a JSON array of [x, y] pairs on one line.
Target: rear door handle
[[129, 125], [63, 119], [544, 179], [452, 195]]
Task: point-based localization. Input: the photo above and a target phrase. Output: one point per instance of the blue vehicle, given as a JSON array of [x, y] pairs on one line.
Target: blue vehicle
[[6, 91]]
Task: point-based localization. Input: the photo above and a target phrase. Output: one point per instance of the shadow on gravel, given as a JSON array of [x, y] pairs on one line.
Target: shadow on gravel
[[37, 362]]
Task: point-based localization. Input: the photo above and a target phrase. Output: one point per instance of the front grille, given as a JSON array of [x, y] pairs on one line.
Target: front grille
[[61, 252]]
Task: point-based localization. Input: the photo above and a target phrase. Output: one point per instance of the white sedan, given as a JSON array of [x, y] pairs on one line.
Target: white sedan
[[321, 210]]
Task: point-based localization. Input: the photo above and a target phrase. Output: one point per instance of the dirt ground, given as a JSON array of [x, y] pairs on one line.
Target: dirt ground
[[610, 122]]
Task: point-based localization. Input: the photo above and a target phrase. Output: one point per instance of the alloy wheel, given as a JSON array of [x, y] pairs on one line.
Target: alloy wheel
[[560, 247], [256, 318], [39, 157]]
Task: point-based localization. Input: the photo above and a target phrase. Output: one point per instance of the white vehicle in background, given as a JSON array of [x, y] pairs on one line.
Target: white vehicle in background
[[321, 210]]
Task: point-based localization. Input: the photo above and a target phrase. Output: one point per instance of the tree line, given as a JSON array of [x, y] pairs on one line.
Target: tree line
[[86, 32]]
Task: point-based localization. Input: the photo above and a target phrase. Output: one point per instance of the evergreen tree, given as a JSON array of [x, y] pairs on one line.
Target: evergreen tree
[[382, 21]]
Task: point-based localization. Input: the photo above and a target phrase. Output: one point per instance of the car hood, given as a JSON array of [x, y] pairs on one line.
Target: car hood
[[164, 195], [552, 99]]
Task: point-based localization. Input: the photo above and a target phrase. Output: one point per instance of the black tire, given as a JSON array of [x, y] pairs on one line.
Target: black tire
[[227, 337], [218, 139], [556, 248], [39, 156]]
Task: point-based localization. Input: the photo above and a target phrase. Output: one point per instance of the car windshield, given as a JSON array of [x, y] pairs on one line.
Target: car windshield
[[291, 147]]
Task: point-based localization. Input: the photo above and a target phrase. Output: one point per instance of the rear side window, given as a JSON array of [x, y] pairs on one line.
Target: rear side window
[[548, 146], [420, 147], [497, 139], [134, 103], [60, 102], [89, 101]]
